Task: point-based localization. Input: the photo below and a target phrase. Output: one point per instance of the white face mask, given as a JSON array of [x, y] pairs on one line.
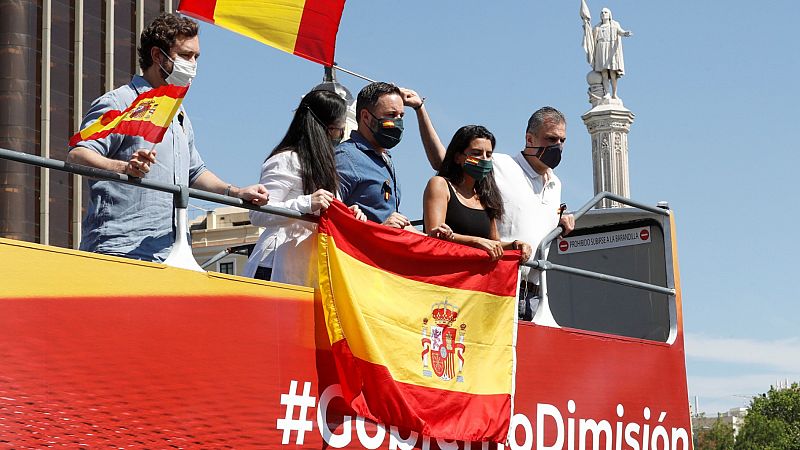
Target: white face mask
[[182, 71]]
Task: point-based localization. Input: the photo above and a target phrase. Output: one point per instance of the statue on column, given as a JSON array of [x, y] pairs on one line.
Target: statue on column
[[603, 47]]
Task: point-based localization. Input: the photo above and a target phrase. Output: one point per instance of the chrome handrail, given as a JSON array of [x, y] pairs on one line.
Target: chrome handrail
[[544, 315], [182, 193], [544, 265], [173, 189], [181, 253]]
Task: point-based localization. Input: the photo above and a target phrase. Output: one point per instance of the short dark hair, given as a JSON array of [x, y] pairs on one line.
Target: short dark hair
[[368, 97], [487, 190], [161, 33], [542, 115]]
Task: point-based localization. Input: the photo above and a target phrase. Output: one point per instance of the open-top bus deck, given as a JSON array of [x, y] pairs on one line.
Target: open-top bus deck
[[101, 351]]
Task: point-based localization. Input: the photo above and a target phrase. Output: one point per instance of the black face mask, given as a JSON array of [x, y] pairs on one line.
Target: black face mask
[[387, 131], [550, 156]]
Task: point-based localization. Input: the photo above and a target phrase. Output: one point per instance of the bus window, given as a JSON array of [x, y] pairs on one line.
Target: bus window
[[633, 250]]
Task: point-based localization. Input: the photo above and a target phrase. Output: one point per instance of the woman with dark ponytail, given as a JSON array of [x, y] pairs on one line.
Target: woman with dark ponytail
[[462, 202], [300, 174]]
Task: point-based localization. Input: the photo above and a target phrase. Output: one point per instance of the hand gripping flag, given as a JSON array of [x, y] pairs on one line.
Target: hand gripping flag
[[305, 28], [148, 116], [422, 330]]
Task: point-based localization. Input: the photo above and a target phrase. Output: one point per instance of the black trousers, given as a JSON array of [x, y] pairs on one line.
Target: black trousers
[[263, 273], [528, 300]]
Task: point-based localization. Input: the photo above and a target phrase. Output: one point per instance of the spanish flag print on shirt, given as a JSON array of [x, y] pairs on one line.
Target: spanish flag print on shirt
[[305, 28], [422, 330]]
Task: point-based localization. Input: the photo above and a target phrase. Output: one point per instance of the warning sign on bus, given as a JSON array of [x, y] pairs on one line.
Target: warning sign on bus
[[612, 239]]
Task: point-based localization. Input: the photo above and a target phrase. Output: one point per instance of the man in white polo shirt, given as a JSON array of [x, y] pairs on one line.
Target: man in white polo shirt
[[531, 194]]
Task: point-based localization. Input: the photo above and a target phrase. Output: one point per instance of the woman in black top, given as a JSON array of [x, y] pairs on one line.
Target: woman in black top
[[462, 202]]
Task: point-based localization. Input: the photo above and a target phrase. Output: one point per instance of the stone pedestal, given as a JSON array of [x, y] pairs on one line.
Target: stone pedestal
[[608, 124]]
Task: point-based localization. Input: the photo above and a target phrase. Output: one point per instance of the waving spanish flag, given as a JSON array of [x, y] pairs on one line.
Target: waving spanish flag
[[422, 330], [148, 116], [306, 28]]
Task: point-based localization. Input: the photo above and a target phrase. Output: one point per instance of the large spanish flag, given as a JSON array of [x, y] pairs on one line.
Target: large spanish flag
[[148, 116], [422, 330], [305, 28]]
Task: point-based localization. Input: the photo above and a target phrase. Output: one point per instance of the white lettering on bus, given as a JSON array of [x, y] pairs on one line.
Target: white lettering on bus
[[596, 428], [589, 433], [334, 440], [370, 442], [520, 419], [544, 410], [396, 442], [447, 445]]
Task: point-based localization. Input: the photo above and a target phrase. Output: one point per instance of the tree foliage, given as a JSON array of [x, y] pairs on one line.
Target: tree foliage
[[718, 437], [772, 422]]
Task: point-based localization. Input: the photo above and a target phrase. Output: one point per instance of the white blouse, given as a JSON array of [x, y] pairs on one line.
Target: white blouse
[[284, 244]]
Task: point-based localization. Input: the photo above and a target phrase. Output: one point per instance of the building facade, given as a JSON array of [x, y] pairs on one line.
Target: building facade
[[733, 418], [223, 238], [56, 57]]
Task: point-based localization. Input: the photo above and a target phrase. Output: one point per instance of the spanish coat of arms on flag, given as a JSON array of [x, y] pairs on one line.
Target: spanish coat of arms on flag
[[148, 116], [422, 330]]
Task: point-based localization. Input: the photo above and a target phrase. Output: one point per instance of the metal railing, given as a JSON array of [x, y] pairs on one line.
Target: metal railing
[[180, 193], [544, 315], [544, 265], [181, 254]]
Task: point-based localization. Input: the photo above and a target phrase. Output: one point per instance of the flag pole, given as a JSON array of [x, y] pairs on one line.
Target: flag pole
[[152, 147], [338, 67], [172, 113]]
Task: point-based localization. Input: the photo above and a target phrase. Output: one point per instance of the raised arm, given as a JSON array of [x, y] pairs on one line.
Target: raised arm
[[622, 31], [434, 149]]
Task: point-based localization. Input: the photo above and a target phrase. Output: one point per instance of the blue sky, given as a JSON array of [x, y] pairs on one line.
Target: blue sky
[[713, 86]]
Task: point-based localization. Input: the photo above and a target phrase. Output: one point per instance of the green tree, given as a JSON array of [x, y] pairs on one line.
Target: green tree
[[717, 437], [772, 422]]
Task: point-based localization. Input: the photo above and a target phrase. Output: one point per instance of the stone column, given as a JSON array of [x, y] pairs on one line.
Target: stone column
[[608, 124]]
